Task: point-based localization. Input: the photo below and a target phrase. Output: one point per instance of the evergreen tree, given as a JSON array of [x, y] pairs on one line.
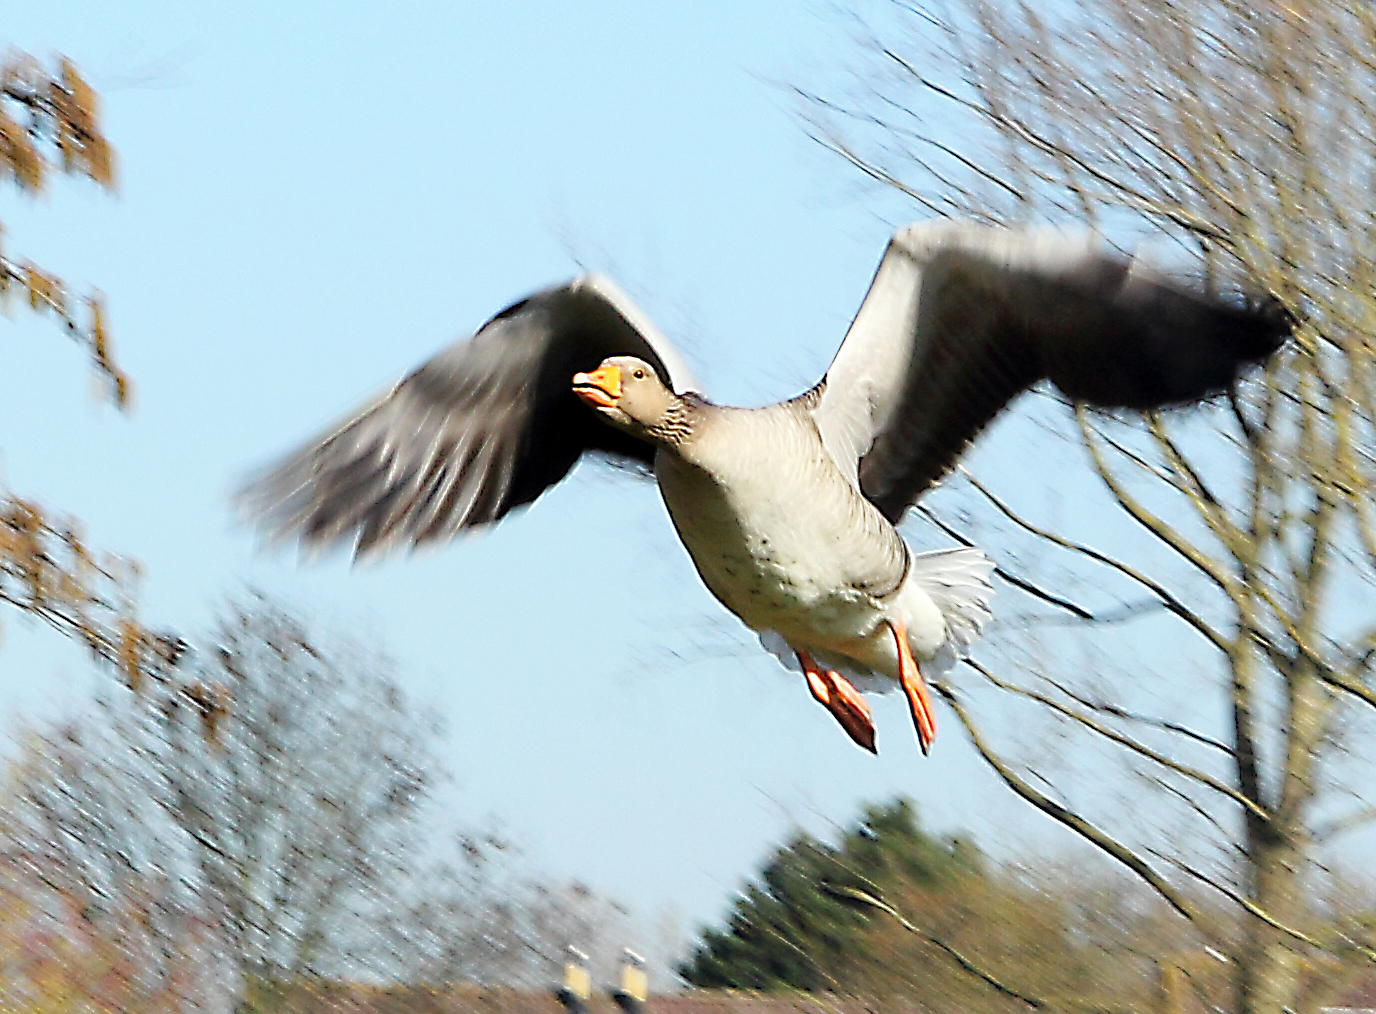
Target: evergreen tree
[[789, 930]]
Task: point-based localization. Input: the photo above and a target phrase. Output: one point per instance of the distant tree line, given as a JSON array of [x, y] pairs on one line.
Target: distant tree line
[[251, 819], [896, 918]]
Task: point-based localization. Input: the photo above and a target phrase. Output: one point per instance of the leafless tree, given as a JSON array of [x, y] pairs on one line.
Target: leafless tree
[[1239, 140], [480, 917], [247, 817], [96, 911], [252, 820], [298, 773]]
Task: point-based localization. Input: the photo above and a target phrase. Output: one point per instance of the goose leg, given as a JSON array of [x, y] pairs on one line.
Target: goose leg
[[835, 693], [915, 687]]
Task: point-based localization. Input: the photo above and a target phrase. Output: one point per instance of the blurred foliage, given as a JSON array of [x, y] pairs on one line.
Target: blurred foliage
[[247, 815], [49, 123], [251, 829], [92, 916], [891, 918], [296, 772], [791, 930], [48, 571]]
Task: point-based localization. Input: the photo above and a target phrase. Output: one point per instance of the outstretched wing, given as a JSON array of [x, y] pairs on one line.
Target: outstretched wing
[[483, 427], [959, 319]]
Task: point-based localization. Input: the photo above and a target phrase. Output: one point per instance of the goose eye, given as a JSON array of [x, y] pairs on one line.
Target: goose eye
[[639, 374]]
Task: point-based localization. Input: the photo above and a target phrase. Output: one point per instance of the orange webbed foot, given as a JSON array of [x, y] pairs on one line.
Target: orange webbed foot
[[915, 688], [835, 693]]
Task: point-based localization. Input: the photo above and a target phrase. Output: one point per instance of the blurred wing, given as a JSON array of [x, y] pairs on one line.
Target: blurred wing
[[959, 319], [483, 427]]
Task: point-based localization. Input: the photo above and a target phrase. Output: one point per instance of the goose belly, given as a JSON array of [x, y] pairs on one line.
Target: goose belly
[[776, 550]]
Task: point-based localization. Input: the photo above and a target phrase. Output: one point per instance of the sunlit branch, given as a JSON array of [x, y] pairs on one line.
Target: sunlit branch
[[1173, 603], [1096, 837], [1249, 429], [1194, 487], [1153, 524], [969, 163], [879, 175], [1178, 216], [1109, 708], [1124, 613], [865, 898], [1324, 672], [1127, 742], [1224, 834], [1256, 910], [876, 172], [1341, 825]]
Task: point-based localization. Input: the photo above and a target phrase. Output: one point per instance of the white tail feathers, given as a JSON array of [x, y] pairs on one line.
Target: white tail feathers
[[957, 580]]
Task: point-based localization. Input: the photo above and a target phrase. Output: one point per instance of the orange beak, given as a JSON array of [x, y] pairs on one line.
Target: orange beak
[[601, 387]]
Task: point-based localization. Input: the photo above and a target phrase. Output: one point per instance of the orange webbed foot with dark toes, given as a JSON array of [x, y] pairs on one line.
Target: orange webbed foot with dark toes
[[835, 693]]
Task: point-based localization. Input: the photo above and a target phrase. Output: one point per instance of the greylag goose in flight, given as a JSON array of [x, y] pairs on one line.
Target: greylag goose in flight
[[787, 511]]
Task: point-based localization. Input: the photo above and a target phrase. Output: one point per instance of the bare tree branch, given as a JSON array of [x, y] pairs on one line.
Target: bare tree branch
[[974, 968], [1171, 602], [1096, 837], [1112, 735]]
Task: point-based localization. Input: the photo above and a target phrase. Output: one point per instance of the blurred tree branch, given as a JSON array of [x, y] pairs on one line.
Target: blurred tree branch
[[247, 818], [857, 896], [49, 123]]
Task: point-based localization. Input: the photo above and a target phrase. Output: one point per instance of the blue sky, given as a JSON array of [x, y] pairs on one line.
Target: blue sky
[[311, 201]]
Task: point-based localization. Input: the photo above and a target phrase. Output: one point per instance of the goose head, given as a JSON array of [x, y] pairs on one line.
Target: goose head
[[628, 393]]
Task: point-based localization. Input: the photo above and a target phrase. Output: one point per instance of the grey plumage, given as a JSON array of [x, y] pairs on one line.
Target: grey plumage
[[960, 319], [483, 427]]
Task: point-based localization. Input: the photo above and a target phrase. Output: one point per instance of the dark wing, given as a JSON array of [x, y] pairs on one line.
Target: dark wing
[[959, 319], [485, 426]]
